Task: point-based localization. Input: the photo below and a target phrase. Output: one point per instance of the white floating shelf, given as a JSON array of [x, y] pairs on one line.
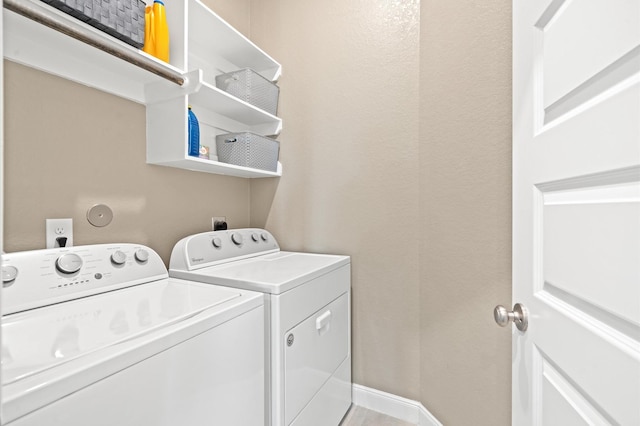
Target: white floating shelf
[[38, 46], [208, 166], [254, 119], [212, 40]]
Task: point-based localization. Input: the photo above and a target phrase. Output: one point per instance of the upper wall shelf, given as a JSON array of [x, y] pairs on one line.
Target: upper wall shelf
[[35, 45], [202, 46], [217, 47], [201, 165]]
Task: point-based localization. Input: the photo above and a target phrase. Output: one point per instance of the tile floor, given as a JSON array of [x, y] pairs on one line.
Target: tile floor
[[358, 416]]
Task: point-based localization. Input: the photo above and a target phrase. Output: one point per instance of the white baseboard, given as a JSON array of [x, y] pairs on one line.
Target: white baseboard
[[393, 405]]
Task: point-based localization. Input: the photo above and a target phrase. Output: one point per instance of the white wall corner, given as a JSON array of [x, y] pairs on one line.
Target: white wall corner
[[393, 405]]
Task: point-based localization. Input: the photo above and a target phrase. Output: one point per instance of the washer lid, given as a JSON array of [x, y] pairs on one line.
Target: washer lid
[[272, 273], [41, 339]]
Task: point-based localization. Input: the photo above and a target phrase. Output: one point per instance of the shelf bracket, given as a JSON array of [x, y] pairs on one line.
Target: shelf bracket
[[133, 57]]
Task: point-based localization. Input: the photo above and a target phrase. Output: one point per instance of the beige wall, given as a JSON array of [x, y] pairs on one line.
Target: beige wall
[[465, 181], [396, 151]]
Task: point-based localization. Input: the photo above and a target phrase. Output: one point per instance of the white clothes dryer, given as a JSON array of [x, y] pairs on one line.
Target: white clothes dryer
[[307, 312], [99, 335]]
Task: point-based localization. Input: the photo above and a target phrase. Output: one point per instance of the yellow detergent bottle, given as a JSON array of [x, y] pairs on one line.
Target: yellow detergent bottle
[[149, 36], [160, 31]]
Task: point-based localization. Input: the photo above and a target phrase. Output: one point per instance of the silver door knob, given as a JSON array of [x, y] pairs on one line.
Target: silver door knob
[[519, 316]]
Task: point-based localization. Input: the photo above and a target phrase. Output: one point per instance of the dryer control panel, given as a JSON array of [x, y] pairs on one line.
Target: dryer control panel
[[32, 279], [216, 247]]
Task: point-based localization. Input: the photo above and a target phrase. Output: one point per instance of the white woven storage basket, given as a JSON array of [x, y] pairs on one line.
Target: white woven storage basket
[[251, 87], [248, 150]]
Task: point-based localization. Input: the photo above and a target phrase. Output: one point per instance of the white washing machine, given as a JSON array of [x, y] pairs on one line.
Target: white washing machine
[[99, 335], [307, 310]]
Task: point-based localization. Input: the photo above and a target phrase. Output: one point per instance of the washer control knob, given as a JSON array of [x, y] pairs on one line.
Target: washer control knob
[[69, 263], [236, 238], [141, 255], [9, 274], [118, 257], [255, 237], [264, 236], [217, 242]]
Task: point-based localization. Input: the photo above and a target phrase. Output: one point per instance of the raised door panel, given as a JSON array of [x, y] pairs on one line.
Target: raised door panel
[[576, 240]]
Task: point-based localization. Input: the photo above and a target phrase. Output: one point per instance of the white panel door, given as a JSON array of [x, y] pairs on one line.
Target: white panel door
[[1, 154], [576, 211]]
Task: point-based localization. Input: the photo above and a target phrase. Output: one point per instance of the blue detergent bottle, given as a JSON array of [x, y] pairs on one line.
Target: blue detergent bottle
[[194, 134]]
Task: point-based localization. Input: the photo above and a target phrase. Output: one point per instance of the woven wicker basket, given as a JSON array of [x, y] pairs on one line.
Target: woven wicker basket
[[248, 150], [122, 19], [251, 87]]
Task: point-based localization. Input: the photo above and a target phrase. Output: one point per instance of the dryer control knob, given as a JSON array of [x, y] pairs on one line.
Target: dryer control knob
[[69, 263], [118, 257], [217, 242], [264, 237], [9, 274], [236, 238], [141, 255], [255, 237]]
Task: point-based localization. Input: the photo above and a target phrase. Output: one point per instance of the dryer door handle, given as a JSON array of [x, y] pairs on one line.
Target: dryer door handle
[[323, 320]]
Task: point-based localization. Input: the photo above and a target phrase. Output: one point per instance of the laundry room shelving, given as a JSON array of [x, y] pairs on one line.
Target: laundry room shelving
[[203, 45], [208, 46]]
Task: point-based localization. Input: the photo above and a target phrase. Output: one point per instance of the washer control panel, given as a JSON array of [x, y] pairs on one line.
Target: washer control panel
[[32, 279], [215, 247]]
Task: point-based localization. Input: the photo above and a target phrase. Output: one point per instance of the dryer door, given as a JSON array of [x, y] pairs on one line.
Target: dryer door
[[314, 349]]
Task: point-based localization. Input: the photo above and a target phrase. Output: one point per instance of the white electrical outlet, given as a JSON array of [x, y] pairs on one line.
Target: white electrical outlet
[[59, 233], [217, 219]]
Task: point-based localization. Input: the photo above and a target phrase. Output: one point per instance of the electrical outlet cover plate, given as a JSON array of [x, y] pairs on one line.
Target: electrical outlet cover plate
[[57, 228], [217, 219]]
